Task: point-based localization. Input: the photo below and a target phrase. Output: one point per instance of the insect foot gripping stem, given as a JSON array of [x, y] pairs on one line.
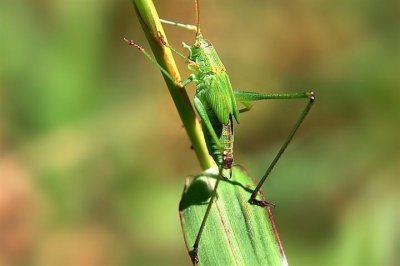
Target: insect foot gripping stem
[[161, 38], [261, 203], [193, 255]]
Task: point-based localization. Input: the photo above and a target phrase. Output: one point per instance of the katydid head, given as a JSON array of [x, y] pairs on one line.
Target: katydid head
[[202, 54], [201, 43], [198, 52]]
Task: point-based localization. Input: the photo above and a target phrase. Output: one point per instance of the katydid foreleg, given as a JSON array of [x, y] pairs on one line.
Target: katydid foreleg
[[178, 24], [163, 70], [246, 97]]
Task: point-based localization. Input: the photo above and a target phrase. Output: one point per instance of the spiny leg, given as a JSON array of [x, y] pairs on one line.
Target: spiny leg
[[154, 61], [162, 40], [187, 60], [246, 97], [195, 249], [163, 70], [250, 96]]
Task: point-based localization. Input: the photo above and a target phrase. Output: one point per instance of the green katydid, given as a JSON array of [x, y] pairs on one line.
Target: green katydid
[[216, 105]]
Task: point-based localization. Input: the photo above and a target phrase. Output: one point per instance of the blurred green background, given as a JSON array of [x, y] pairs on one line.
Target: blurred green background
[[93, 156]]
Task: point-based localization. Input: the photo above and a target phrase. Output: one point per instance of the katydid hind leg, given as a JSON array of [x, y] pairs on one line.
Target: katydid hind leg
[[247, 107], [253, 96], [246, 97], [195, 249], [249, 96]]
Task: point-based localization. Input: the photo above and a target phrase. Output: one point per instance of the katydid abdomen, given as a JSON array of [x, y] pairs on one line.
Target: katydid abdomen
[[222, 156]]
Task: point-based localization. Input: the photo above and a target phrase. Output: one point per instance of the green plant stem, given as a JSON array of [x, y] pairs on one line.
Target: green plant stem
[[151, 25]]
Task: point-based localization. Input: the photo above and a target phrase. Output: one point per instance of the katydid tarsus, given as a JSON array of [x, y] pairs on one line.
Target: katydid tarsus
[[217, 106]]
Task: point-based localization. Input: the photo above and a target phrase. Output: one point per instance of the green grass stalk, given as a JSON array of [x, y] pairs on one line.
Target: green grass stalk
[[151, 25]]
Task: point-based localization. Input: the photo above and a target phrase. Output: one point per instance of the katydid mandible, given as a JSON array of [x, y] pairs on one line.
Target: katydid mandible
[[216, 105]]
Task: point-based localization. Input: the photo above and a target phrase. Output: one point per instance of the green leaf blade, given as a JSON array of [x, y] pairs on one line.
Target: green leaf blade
[[236, 233]]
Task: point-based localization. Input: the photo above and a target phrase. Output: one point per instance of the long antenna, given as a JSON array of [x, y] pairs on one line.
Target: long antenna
[[197, 17]]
